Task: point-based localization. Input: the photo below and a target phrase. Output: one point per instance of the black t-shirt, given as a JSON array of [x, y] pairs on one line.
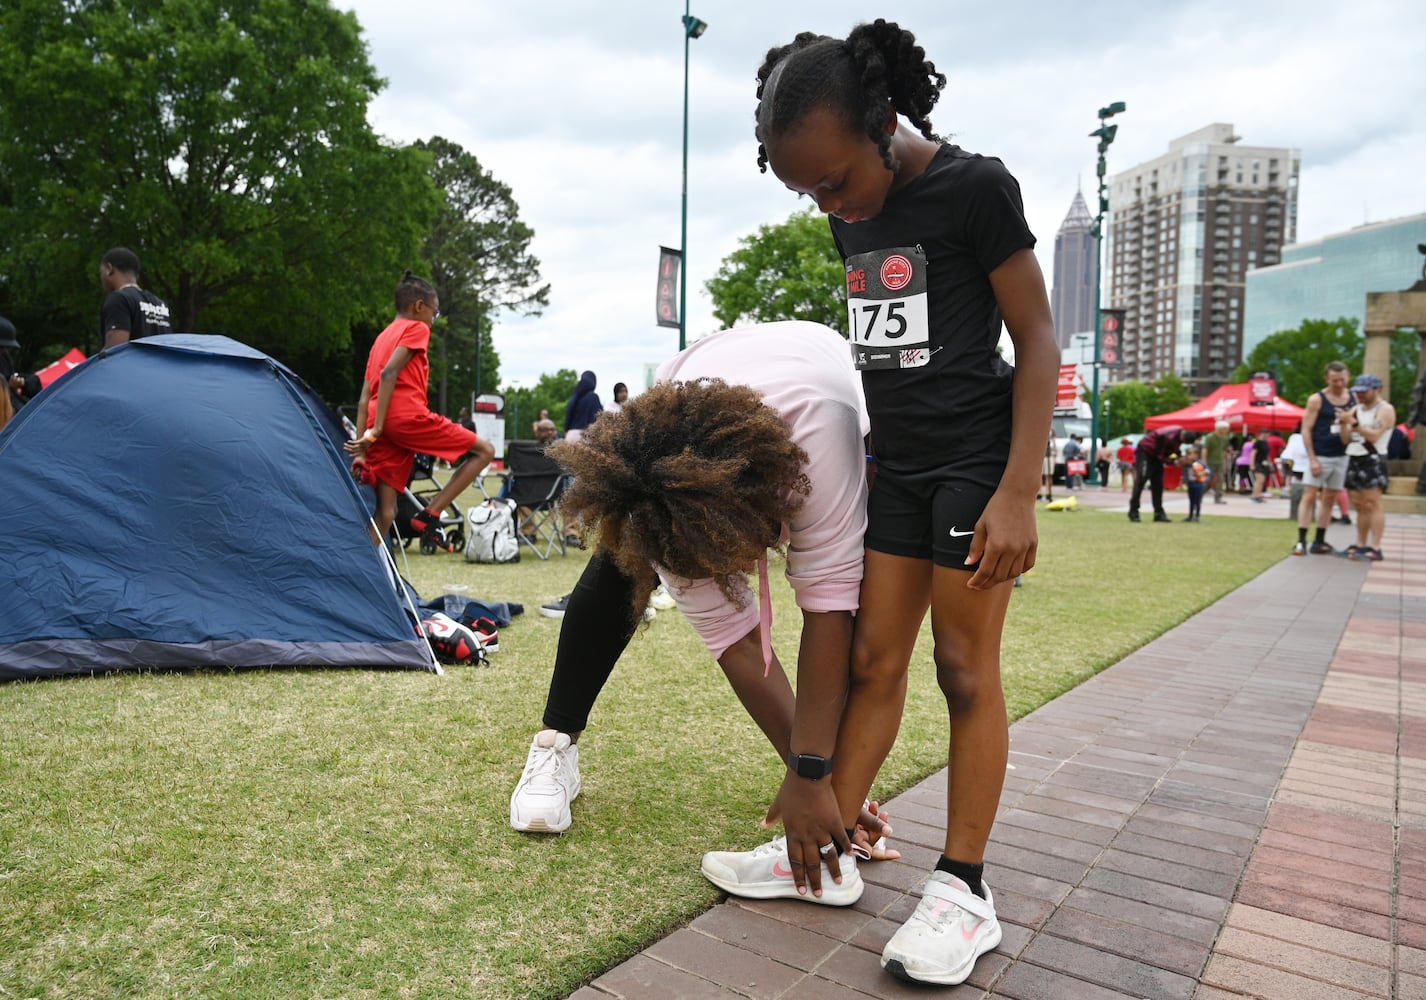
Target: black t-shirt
[[1326, 441], [947, 390], [140, 312]]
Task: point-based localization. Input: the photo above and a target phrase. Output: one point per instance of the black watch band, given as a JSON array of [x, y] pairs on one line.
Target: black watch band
[[809, 765]]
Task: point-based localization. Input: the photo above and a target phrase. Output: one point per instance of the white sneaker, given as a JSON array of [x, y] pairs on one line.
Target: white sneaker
[[764, 873], [950, 929], [550, 783]]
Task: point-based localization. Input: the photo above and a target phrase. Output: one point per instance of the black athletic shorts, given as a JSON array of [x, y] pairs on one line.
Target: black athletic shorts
[[932, 515], [1367, 472]]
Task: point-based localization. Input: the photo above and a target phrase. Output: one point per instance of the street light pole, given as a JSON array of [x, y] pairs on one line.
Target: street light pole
[[1105, 134], [692, 28]]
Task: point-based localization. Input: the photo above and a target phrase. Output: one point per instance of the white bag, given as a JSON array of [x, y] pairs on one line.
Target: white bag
[[490, 536]]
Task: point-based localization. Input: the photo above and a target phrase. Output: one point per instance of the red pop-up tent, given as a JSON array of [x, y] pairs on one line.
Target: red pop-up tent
[[1231, 403]]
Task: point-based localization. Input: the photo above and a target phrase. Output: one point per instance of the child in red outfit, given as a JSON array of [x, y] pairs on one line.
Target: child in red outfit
[[401, 424]]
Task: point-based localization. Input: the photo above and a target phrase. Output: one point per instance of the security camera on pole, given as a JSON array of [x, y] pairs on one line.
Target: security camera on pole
[[1108, 323]]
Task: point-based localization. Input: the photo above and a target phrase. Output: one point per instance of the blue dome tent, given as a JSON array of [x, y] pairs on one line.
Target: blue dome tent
[[183, 501]]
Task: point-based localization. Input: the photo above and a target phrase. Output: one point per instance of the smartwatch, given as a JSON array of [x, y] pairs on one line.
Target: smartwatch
[[809, 765]]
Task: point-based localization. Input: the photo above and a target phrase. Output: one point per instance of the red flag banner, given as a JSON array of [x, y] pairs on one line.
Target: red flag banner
[[50, 372], [1067, 392]]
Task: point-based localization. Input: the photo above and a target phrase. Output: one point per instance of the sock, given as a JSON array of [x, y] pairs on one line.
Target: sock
[[1320, 536], [1302, 536], [971, 875]]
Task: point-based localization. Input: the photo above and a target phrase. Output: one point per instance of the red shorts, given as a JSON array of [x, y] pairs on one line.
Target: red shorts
[[390, 456]]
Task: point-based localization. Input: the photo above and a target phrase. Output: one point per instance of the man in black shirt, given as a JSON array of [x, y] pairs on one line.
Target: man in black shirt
[[129, 312]]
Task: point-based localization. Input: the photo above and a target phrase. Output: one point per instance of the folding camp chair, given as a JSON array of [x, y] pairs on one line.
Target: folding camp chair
[[535, 482]]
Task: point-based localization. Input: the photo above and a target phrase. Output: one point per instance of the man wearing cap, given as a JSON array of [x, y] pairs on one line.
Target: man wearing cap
[[129, 312], [1365, 430], [1326, 471]]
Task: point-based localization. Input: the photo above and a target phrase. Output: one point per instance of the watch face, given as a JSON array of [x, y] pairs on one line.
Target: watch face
[[809, 765]]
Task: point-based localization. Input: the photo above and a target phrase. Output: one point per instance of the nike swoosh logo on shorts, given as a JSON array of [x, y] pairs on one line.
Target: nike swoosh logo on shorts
[[961, 534]]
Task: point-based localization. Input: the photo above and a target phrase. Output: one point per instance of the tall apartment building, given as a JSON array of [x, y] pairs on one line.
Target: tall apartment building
[[1076, 274], [1183, 231]]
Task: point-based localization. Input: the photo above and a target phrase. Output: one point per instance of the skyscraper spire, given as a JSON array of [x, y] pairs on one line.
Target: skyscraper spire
[[1078, 220], [1076, 272]]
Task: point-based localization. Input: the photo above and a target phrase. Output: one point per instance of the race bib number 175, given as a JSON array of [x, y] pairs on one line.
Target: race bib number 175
[[886, 307]]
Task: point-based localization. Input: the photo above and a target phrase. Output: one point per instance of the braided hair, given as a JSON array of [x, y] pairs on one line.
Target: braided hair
[[878, 66], [696, 477], [411, 290]]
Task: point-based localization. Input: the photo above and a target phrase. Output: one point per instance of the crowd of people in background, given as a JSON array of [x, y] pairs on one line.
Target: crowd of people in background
[[1336, 464]]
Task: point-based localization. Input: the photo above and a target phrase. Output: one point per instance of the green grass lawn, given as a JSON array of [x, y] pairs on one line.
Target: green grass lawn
[[344, 833]]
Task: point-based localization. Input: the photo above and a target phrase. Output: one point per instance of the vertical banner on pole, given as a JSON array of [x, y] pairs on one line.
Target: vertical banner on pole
[[667, 301], [1111, 328]]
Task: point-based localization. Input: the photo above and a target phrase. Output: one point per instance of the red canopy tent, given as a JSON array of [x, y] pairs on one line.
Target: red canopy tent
[[1231, 403]]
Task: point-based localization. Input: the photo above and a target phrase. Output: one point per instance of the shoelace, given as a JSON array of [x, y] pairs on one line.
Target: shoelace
[[777, 845], [544, 763]]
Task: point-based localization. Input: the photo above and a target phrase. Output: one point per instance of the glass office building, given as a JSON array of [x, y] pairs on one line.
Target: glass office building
[[1330, 277]]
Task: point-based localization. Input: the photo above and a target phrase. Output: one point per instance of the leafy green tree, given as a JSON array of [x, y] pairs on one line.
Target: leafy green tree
[[790, 270], [1169, 394], [1298, 358], [226, 141], [523, 403], [478, 252], [1125, 405]]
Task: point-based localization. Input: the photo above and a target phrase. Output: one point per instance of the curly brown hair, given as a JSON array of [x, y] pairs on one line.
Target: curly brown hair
[[695, 477]]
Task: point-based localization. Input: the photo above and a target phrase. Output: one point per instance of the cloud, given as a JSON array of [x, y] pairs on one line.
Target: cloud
[[579, 109]]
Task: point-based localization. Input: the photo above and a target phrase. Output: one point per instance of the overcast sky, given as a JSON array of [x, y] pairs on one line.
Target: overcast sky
[[578, 107]]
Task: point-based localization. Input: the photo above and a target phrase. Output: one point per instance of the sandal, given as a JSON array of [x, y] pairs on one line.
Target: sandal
[[1373, 554], [1351, 551]]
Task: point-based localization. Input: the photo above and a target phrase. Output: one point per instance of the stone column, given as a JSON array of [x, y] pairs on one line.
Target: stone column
[[1388, 312]]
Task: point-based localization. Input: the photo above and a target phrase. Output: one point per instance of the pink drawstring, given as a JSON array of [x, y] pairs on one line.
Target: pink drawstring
[[765, 615]]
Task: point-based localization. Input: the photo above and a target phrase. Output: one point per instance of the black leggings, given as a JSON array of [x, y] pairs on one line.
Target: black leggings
[[593, 635]]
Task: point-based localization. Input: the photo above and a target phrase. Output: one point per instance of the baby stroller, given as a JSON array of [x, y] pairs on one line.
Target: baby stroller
[[410, 502]]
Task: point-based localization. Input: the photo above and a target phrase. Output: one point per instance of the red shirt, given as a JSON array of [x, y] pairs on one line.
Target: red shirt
[[1125, 454], [409, 396]]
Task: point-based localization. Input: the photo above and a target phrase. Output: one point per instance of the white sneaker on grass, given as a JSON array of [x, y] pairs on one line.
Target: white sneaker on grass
[[764, 873], [950, 929], [540, 803]]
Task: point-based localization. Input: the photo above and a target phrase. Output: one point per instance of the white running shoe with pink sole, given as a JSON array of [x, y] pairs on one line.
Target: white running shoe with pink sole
[[950, 929], [764, 873]]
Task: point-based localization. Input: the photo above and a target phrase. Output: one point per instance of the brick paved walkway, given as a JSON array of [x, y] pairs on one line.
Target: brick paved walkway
[[1236, 810]]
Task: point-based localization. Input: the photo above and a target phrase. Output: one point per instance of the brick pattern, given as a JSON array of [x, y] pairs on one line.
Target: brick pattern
[[1236, 810], [1331, 902]]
